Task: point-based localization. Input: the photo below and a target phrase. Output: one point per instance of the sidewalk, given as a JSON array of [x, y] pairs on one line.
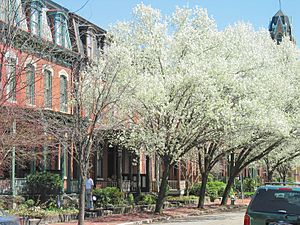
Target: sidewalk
[[146, 218]]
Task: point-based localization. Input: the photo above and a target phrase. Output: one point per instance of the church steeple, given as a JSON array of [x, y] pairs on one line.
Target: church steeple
[[280, 26]]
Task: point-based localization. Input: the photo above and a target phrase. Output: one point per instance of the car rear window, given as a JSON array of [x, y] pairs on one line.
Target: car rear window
[[270, 200]]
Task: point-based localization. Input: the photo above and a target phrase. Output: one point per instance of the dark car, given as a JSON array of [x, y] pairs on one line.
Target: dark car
[[6, 219], [275, 204]]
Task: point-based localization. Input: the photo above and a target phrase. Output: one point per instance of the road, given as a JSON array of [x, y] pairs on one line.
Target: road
[[234, 218]]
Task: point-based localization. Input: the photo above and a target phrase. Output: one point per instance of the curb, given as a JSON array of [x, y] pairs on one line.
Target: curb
[[201, 213]]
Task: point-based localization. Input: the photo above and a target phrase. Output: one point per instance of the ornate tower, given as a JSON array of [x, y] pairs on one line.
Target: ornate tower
[[280, 26]]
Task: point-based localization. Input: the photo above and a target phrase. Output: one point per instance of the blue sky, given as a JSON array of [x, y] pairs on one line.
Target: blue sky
[[257, 12]]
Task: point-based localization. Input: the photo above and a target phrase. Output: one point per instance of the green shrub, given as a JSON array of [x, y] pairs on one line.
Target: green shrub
[[130, 199], [147, 199], [108, 196], [249, 184], [29, 203], [248, 194], [195, 189], [215, 189], [42, 185]]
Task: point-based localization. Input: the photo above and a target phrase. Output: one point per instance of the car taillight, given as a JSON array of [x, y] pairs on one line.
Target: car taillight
[[21, 220], [247, 219], [285, 189]]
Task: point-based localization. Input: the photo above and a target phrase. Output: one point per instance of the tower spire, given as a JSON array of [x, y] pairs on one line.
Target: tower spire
[[280, 26], [279, 4]]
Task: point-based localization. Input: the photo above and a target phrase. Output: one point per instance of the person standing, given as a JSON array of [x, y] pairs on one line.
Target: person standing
[[89, 184]]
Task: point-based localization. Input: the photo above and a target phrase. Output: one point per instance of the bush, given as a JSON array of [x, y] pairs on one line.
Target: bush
[[130, 199], [108, 196], [215, 189], [248, 194], [147, 199], [42, 185], [195, 189], [249, 185]]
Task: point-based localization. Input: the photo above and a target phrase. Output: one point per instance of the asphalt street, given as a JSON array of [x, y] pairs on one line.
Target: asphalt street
[[234, 218]]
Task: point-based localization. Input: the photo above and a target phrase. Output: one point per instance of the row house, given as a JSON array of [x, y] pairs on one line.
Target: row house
[[36, 56], [36, 74]]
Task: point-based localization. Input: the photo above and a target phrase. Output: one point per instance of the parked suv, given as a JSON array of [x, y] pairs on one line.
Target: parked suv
[[6, 219], [275, 204]]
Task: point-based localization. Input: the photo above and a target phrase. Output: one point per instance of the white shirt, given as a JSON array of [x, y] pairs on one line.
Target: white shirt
[[89, 183]]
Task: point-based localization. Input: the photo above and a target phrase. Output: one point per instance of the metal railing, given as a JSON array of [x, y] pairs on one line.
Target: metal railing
[[20, 185], [5, 186], [173, 184], [74, 186], [106, 183]]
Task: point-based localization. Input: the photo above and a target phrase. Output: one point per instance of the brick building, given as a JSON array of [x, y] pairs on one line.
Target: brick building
[[37, 75]]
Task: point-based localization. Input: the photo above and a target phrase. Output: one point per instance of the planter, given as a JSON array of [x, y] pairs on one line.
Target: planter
[[144, 208], [57, 218]]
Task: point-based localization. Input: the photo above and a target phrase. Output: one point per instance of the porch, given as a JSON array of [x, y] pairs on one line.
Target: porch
[[175, 187]]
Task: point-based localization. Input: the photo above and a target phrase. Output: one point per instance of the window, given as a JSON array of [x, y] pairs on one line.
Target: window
[[48, 89], [3, 10], [10, 11], [30, 84], [11, 79], [61, 31], [272, 200], [36, 18], [91, 45], [63, 94]]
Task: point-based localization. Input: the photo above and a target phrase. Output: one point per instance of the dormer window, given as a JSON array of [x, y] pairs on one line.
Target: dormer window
[[10, 11], [36, 18], [60, 28], [91, 44], [3, 10], [60, 32]]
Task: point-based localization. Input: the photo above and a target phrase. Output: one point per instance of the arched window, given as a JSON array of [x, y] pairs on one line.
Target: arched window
[[30, 84], [48, 88], [63, 93]]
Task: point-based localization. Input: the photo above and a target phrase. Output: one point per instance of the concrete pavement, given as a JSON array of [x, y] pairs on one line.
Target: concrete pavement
[[232, 218]]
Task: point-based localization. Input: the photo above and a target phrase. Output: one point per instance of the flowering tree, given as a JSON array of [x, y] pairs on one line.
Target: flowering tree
[[176, 99], [269, 120], [198, 86], [283, 155], [99, 88]]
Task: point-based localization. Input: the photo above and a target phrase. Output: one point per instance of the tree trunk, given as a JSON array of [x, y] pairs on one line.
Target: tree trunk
[[138, 178], [284, 175], [204, 178], [227, 189], [270, 176], [163, 187], [81, 202]]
